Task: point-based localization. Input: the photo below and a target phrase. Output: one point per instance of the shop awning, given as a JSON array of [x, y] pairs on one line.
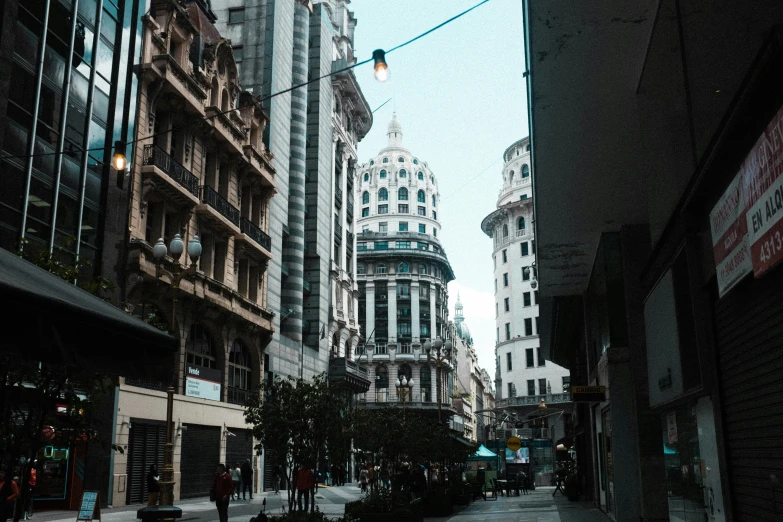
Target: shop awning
[[483, 453], [49, 319]]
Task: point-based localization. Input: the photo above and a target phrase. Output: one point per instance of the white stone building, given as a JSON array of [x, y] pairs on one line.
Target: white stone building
[[522, 375], [403, 274]]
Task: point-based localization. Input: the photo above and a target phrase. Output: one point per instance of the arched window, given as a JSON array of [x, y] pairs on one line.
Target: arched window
[[415, 161], [381, 377], [432, 179], [423, 269], [421, 196], [421, 176], [525, 171], [365, 198], [505, 230], [401, 159], [405, 370], [511, 177], [425, 382], [386, 160], [521, 224], [224, 101], [240, 373], [372, 162], [403, 268], [402, 194], [215, 91], [383, 174], [366, 177], [200, 348], [433, 201], [403, 173], [383, 195]]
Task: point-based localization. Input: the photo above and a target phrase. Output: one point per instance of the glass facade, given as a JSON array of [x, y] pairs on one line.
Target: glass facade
[[73, 94]]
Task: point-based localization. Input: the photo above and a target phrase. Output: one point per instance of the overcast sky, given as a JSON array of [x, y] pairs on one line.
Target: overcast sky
[[460, 97]]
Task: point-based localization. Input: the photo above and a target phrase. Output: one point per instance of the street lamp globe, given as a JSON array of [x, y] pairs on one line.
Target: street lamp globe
[[194, 248], [410, 383], [427, 346], [159, 251], [448, 346], [177, 246], [437, 343]]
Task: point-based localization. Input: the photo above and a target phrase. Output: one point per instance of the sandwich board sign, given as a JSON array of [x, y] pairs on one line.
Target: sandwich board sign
[[90, 508]]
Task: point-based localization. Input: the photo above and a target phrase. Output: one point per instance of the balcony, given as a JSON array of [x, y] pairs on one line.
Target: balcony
[[185, 185], [349, 211], [533, 400], [259, 237], [381, 349], [227, 129], [237, 395], [338, 197], [427, 401], [342, 369], [220, 204], [349, 239], [175, 78]]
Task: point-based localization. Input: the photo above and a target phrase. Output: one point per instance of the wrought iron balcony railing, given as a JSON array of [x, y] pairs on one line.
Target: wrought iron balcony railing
[[238, 395], [219, 203], [255, 233], [154, 155]]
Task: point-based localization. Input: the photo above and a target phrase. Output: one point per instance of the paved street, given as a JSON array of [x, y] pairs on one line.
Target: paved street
[[538, 506]]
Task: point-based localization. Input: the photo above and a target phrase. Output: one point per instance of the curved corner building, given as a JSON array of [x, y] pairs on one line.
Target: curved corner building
[[403, 274]]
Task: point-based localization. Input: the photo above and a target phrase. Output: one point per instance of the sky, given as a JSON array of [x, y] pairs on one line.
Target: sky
[[460, 98]]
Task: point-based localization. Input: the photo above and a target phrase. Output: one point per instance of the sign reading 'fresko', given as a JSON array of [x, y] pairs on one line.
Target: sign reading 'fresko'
[[747, 221]]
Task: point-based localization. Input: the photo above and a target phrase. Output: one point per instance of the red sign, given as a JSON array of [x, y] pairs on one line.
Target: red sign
[[729, 237], [762, 190]]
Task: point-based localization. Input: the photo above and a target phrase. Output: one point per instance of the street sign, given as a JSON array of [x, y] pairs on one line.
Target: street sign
[[588, 393], [513, 443]]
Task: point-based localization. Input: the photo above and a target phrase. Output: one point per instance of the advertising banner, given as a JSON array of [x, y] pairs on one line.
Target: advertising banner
[[203, 383], [730, 237]]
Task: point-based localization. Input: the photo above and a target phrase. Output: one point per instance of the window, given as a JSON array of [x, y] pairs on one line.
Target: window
[[425, 382], [512, 391], [383, 195], [433, 200], [404, 289], [240, 371], [541, 359], [422, 246], [238, 54], [401, 159], [403, 244], [403, 174], [508, 362], [423, 269], [531, 387], [381, 245], [404, 330], [365, 212], [421, 196], [422, 229], [383, 209], [525, 273], [566, 384], [420, 174], [542, 386], [383, 227], [381, 377], [403, 226], [360, 266], [385, 160], [365, 198], [380, 268], [505, 256], [521, 224], [200, 347], [402, 194], [508, 331], [495, 261], [529, 363], [528, 326], [505, 231], [505, 280], [506, 305], [434, 215], [496, 286], [526, 298], [497, 336], [372, 162], [496, 310], [361, 246], [435, 232], [523, 196], [415, 161], [402, 209], [524, 247], [236, 16], [382, 175], [422, 211], [525, 171], [366, 177]]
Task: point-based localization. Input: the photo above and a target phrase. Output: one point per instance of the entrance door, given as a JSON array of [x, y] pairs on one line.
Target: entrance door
[[200, 457], [146, 446]]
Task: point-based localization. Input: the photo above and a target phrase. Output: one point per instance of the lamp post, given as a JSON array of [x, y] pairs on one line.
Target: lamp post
[[159, 252], [530, 271], [440, 352], [404, 390]]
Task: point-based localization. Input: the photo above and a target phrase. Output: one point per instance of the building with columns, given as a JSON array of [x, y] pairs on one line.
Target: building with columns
[[403, 274], [522, 374], [211, 181]]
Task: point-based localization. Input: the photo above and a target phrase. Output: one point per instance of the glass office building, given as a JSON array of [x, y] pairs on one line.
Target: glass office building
[[67, 94]]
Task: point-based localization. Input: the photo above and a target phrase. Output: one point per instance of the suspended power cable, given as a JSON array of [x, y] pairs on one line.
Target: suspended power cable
[[260, 99], [473, 178], [381, 105]]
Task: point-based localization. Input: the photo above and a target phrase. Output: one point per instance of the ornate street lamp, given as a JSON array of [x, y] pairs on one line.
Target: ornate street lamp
[[404, 390], [440, 352]]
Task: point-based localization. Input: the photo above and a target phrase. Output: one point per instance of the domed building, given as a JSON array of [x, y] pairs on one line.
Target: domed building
[[403, 274]]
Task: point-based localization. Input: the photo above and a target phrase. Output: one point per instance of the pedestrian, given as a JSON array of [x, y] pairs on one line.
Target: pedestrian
[[9, 491], [371, 477], [223, 488], [276, 478], [247, 480], [153, 485], [385, 477], [31, 481], [343, 474], [236, 478], [363, 478], [304, 483]]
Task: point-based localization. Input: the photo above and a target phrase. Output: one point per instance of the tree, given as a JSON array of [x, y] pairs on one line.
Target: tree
[[300, 420]]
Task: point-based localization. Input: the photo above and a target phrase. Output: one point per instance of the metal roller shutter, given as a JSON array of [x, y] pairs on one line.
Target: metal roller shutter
[[271, 459], [200, 456], [146, 446], [749, 335], [239, 448]]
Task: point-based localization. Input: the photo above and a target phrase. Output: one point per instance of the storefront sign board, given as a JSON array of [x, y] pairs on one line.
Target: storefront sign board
[[588, 393], [730, 237], [90, 508], [671, 427], [203, 383]]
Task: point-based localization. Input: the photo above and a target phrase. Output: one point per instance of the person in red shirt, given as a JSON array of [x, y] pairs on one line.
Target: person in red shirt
[[224, 486], [304, 483], [8, 493]]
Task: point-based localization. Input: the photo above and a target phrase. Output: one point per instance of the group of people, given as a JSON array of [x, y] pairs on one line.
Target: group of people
[[16, 494], [337, 475], [373, 477]]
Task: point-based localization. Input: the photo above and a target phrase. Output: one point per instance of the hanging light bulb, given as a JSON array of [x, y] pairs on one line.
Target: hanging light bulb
[[119, 161], [381, 67]]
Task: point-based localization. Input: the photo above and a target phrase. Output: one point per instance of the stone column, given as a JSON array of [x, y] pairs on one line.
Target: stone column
[[370, 311], [434, 290], [415, 328], [392, 310]]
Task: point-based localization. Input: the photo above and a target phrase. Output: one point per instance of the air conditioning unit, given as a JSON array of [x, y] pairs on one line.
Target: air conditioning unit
[[524, 433]]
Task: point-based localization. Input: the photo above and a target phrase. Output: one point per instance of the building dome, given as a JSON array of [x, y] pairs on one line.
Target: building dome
[[464, 332], [394, 132]]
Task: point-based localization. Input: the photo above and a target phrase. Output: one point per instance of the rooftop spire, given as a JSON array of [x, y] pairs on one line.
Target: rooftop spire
[[394, 132]]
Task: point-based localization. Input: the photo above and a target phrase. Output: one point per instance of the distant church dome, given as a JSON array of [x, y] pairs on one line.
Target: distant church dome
[[394, 125], [464, 332]]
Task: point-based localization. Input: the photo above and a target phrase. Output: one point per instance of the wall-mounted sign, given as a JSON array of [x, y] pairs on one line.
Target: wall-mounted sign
[[730, 237], [513, 443], [203, 383], [671, 427], [588, 393]]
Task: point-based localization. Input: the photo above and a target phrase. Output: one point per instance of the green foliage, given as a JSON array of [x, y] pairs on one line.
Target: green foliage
[[301, 516]]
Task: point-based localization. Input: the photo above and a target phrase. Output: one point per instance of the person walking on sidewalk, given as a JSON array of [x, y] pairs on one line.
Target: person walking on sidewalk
[[153, 486], [236, 478], [247, 480], [223, 488], [8, 493], [304, 483], [30, 479]]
